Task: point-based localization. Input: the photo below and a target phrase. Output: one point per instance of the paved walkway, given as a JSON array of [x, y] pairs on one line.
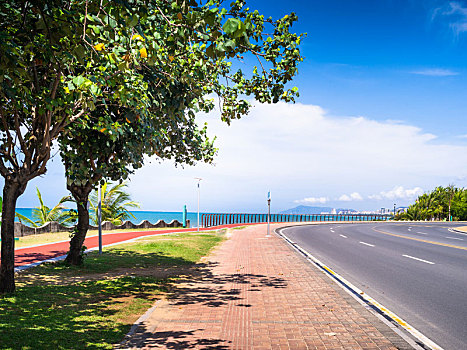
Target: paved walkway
[[257, 293]]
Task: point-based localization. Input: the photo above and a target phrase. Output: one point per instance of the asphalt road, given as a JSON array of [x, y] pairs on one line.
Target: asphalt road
[[418, 271]]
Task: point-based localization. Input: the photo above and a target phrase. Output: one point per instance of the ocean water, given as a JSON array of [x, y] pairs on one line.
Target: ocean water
[[140, 215]]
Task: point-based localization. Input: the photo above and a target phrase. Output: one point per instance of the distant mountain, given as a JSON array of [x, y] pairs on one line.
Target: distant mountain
[[304, 209]]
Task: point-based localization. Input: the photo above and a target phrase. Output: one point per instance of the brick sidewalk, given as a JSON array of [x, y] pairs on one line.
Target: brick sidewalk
[[258, 293]]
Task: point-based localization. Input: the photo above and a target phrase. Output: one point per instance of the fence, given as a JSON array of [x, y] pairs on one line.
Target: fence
[[22, 230], [208, 220]]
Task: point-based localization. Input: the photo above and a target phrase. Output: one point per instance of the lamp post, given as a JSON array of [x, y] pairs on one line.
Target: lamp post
[[199, 180], [394, 209], [269, 212], [99, 217]]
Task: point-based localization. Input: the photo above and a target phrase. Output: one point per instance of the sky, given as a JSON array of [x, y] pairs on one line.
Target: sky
[[381, 118]]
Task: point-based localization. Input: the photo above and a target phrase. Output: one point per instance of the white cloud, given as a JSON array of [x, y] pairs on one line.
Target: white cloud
[[398, 192], [455, 13], [355, 196], [436, 72], [295, 150], [313, 200]]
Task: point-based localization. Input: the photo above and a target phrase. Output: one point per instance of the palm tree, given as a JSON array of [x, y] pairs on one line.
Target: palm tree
[[115, 203], [43, 214]]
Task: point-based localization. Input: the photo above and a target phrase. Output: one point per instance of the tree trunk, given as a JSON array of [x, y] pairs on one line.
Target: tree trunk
[[80, 194], [11, 191]]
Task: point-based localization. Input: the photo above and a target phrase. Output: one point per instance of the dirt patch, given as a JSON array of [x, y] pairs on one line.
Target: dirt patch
[[462, 228]]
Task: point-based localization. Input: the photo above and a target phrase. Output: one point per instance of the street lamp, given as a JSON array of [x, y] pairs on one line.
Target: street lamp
[[269, 211], [99, 217], [199, 180], [394, 209]]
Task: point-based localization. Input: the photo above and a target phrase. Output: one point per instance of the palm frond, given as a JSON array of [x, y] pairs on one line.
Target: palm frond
[[22, 218]]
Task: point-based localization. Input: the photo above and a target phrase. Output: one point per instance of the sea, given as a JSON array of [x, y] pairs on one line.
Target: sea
[[140, 215]]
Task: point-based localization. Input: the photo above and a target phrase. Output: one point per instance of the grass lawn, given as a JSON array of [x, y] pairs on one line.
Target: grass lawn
[[44, 238], [94, 306]]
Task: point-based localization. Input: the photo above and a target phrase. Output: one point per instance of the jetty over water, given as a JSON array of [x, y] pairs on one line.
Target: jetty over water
[[208, 220]]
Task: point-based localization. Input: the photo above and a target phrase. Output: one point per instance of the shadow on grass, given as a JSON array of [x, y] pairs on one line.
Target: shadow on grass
[[70, 316], [61, 307], [116, 259]]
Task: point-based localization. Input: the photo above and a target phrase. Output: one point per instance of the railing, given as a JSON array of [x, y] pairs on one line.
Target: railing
[[23, 230], [208, 220]]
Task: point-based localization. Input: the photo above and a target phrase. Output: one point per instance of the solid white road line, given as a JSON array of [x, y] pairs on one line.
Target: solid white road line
[[459, 239], [368, 244], [418, 259], [423, 233], [343, 236]]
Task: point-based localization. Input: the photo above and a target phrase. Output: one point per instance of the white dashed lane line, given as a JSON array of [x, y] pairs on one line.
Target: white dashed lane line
[[368, 244], [418, 259], [343, 236], [423, 233], [459, 239]]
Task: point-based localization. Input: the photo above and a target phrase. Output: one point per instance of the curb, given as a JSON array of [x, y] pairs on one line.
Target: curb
[[457, 231], [388, 317], [137, 323]]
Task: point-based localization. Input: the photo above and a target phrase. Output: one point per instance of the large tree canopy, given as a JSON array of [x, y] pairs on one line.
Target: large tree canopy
[[147, 62], [52, 73]]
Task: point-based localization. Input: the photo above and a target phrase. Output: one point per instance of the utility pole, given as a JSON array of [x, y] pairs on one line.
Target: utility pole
[[199, 180]]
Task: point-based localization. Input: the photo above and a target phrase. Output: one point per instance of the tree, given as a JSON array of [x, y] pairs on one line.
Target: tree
[[438, 204], [43, 214], [62, 60], [114, 203], [54, 69], [90, 155], [183, 52]]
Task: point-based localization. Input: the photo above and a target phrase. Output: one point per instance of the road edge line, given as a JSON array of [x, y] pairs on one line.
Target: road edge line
[[383, 313]]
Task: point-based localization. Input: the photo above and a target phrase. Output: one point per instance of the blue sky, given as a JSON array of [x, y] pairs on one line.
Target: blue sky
[[381, 118], [363, 58]]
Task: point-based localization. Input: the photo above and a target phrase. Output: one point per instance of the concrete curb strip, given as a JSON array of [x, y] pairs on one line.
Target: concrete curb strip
[[137, 323]]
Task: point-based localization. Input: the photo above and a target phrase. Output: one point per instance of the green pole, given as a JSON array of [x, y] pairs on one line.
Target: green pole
[[184, 216]]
